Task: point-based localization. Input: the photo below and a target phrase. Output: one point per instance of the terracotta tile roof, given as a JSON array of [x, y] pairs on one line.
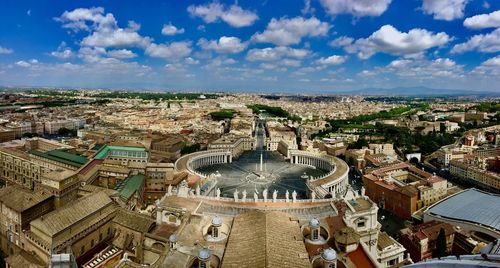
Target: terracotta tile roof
[[360, 259], [64, 217], [384, 240], [265, 239], [20, 199], [134, 221]]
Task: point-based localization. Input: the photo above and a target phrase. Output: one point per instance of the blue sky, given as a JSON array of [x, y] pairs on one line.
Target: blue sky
[[275, 45]]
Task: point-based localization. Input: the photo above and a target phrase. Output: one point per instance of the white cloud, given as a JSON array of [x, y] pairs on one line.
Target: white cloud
[[391, 41], [77, 19], [174, 67], [358, 8], [341, 41], [444, 9], [276, 53], [191, 61], [482, 42], [234, 15], [62, 52], [290, 63], [225, 44], [116, 38], [483, 21], [104, 28], [284, 32], [489, 67], [122, 54], [174, 50], [26, 64], [169, 29], [4, 50], [425, 69], [91, 55], [332, 60]]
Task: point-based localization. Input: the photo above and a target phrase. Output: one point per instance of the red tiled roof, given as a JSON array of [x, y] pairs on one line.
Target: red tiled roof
[[89, 166], [360, 259]]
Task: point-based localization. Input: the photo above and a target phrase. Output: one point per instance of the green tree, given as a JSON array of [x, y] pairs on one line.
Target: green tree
[[441, 244]]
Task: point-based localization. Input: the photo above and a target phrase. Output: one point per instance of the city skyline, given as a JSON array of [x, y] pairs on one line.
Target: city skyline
[[299, 46]]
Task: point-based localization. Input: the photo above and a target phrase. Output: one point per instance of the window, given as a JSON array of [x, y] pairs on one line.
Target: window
[[391, 262], [361, 224], [315, 234]]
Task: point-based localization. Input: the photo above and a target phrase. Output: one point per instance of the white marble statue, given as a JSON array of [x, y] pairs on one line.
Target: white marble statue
[[264, 193], [235, 195], [275, 195], [313, 195], [244, 197], [169, 191], [287, 196], [198, 190], [363, 191], [218, 193], [157, 202], [294, 196], [255, 197]]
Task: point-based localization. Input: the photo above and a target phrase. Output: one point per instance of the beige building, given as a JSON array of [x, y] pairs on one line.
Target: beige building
[[19, 206], [80, 225]]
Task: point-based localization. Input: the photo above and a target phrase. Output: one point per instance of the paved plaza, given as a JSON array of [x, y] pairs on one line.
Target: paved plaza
[[277, 174]]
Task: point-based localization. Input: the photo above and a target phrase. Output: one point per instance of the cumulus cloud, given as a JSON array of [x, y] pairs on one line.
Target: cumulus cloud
[[444, 9], [358, 8], [4, 50], [425, 69], [284, 32], [225, 44], [488, 67], [191, 61], [341, 41], [234, 15], [276, 53], [483, 21], [122, 54], [332, 60], [482, 42], [169, 29], [172, 51], [391, 41], [103, 28], [26, 64], [62, 52]]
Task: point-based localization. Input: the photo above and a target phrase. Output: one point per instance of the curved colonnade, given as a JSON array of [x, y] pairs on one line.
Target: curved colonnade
[[326, 186], [333, 182]]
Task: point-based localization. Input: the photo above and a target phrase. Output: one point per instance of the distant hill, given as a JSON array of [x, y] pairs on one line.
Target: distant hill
[[421, 91]]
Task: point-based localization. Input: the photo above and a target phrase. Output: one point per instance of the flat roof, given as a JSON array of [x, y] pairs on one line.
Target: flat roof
[[62, 157], [470, 205], [102, 153]]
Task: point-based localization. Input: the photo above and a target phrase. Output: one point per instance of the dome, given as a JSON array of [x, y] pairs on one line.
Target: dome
[[204, 254], [216, 220], [329, 254], [314, 222], [172, 238]]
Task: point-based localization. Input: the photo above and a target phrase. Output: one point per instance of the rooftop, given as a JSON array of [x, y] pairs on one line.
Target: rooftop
[[470, 205], [64, 217], [129, 186], [265, 239], [20, 199], [63, 157]]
